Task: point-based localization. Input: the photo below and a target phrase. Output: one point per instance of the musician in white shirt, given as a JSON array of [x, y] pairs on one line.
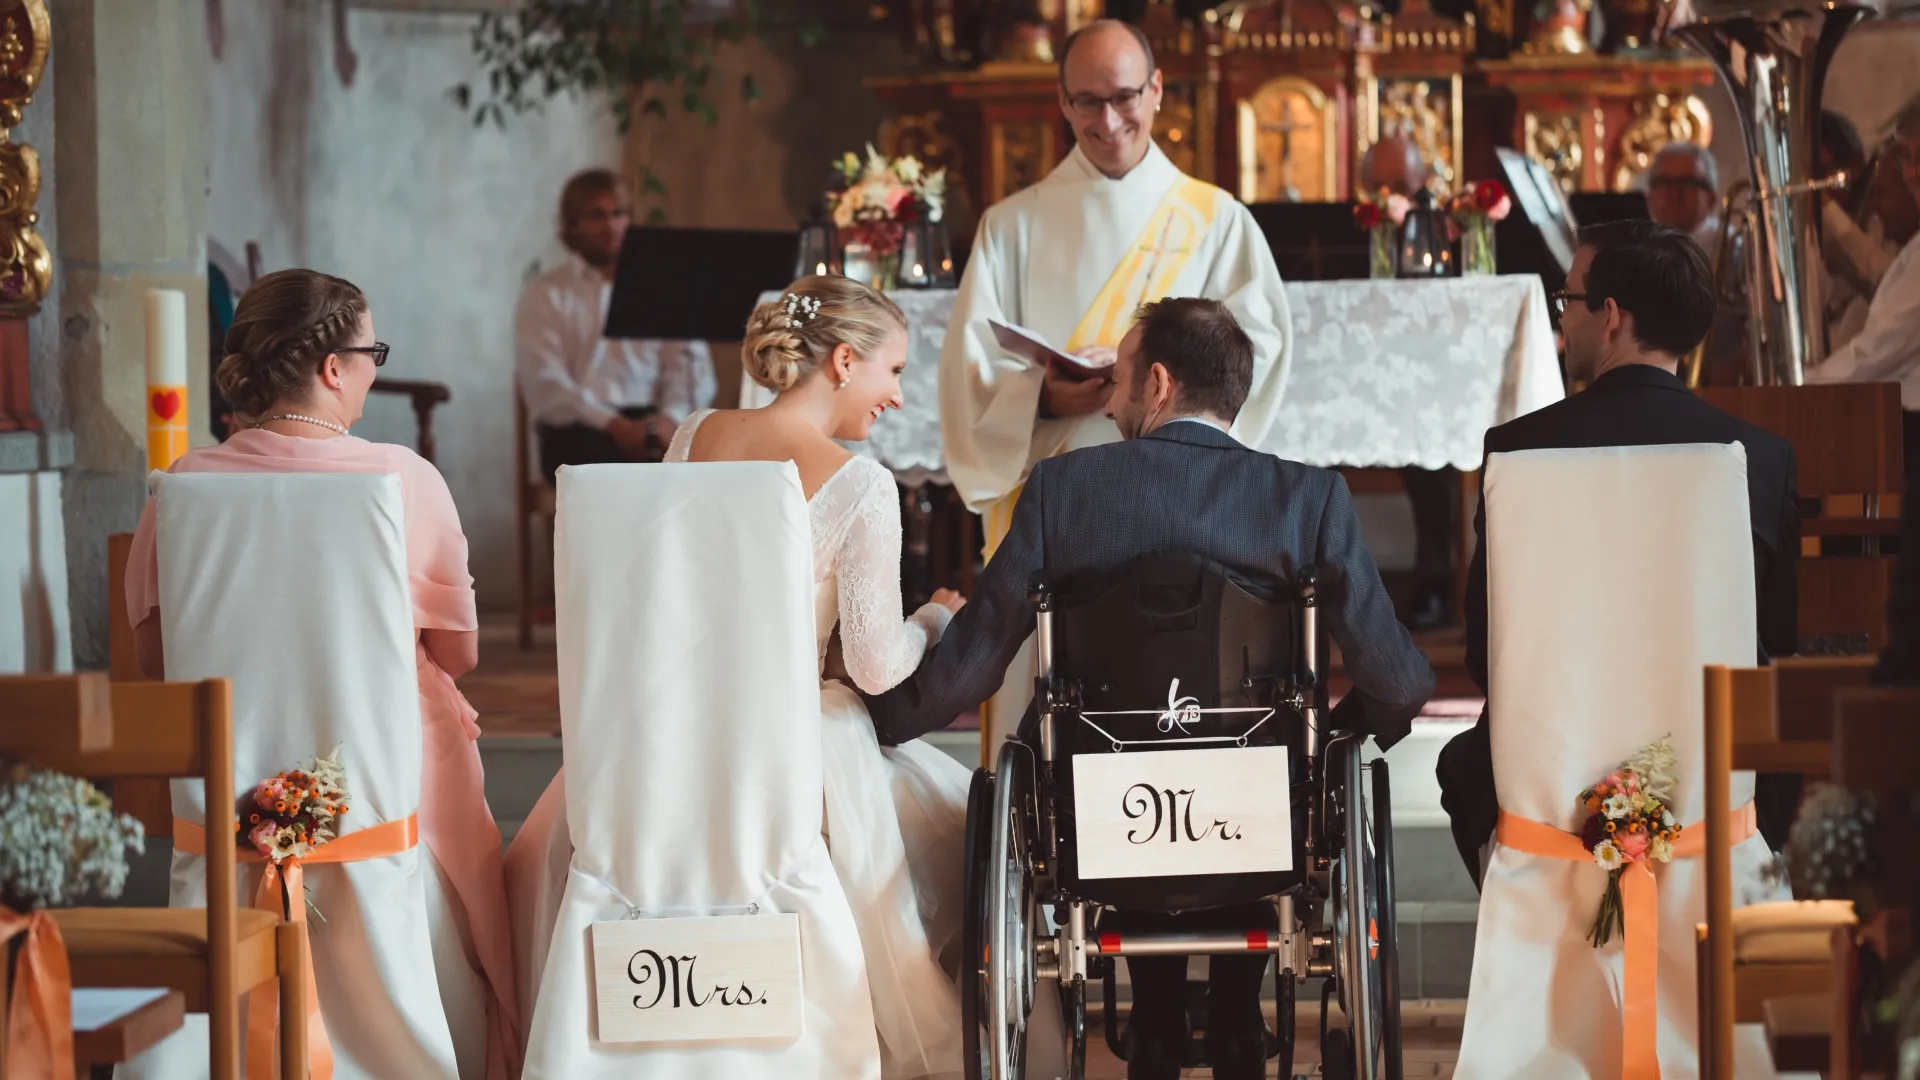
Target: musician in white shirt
[[593, 398], [1887, 348]]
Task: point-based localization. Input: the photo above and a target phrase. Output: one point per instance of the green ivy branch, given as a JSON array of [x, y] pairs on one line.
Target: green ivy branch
[[645, 55]]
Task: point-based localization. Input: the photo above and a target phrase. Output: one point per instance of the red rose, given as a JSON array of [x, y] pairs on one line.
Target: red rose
[[1367, 215], [1488, 194]]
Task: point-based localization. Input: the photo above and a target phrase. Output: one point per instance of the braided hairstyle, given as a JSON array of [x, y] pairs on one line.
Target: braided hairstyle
[[778, 354], [284, 327]]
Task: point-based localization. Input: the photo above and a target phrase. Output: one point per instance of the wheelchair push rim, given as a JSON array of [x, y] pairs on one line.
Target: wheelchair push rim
[[1011, 911], [1363, 920]]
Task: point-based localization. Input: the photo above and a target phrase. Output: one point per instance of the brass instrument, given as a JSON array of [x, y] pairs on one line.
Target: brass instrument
[[1732, 231], [1772, 56]]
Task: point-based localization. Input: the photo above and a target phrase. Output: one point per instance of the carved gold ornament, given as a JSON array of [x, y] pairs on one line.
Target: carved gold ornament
[[1553, 140], [1659, 120], [26, 269]]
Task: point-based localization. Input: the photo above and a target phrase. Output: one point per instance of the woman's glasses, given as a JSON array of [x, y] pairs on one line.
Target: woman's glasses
[[378, 350]]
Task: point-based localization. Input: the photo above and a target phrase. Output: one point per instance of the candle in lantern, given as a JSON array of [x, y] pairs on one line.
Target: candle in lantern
[[166, 377]]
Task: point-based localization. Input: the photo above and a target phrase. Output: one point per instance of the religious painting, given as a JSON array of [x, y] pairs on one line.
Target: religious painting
[[1287, 141], [1425, 112]]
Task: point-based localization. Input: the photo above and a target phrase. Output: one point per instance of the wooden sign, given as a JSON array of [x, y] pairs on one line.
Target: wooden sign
[[1162, 813], [728, 978]]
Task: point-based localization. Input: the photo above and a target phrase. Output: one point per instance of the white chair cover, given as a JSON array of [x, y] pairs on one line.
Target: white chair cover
[[294, 585], [1614, 575], [689, 704]]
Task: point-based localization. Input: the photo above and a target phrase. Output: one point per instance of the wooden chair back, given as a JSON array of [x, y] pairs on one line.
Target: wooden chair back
[[1847, 448], [147, 799], [175, 730], [532, 507]]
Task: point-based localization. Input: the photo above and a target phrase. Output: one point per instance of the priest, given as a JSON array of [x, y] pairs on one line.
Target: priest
[[1069, 259]]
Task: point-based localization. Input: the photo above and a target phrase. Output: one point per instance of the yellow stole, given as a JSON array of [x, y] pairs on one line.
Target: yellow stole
[[1151, 265]]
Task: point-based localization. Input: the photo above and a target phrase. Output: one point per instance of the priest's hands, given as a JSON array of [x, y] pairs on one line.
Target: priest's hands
[[631, 435], [1061, 396]]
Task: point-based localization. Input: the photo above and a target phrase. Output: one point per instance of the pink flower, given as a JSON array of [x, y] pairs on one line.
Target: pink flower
[[1631, 844], [1397, 207], [262, 836], [1616, 780], [1500, 210]]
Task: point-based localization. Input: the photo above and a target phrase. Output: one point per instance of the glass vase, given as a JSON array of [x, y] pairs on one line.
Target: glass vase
[[886, 271], [1380, 251], [1476, 246]]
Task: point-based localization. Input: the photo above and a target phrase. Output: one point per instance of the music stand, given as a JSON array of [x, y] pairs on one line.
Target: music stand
[[1312, 241], [695, 284], [1544, 204]]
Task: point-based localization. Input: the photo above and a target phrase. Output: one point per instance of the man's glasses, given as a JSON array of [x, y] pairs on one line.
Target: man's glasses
[[1558, 301], [1681, 182], [1125, 102], [378, 350]]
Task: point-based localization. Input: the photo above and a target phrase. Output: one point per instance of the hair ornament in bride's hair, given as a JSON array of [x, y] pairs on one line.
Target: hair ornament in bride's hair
[[801, 310]]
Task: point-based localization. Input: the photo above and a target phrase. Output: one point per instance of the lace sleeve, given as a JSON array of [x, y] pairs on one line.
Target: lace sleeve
[[879, 646]]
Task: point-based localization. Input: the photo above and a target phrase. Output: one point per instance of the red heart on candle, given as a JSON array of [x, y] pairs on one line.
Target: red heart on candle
[[166, 403]]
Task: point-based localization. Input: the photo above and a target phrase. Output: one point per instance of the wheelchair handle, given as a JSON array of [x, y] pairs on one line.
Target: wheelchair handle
[[1040, 592]]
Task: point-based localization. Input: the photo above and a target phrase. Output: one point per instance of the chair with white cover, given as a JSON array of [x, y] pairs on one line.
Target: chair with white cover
[[689, 704], [294, 585], [1613, 575]]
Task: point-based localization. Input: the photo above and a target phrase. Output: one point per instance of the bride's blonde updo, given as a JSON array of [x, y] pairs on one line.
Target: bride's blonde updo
[[831, 310]]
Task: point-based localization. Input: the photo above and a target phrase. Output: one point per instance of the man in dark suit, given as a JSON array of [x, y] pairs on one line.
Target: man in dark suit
[[1178, 482], [1639, 297]]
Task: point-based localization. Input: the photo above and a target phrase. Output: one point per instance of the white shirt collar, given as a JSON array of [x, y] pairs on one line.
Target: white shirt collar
[[1214, 424]]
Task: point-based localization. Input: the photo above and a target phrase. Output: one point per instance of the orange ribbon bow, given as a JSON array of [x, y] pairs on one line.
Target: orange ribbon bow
[[283, 891], [40, 1019], [1640, 903]]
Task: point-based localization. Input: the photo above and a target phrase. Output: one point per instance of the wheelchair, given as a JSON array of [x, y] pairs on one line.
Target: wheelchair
[[1170, 654]]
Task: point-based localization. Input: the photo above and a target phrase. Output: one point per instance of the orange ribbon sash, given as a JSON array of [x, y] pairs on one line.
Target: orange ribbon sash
[[283, 891], [1640, 902], [40, 1018]]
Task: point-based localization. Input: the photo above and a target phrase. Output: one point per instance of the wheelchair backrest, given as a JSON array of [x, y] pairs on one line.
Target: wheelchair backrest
[[1168, 635]]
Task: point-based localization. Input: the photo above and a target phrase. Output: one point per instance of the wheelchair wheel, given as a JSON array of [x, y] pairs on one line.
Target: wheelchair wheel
[[1380, 807], [1367, 972], [973, 942], [1012, 913], [1073, 1011]]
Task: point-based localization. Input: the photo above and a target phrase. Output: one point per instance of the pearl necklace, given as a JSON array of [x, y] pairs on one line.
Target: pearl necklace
[[328, 424]]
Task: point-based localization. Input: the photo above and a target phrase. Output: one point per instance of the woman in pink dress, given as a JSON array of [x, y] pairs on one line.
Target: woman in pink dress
[[301, 356]]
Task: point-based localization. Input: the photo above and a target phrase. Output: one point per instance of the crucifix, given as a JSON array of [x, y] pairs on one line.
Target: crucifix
[[1285, 129]]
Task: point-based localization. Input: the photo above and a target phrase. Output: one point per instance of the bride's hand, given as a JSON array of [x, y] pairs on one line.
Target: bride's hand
[[949, 599]]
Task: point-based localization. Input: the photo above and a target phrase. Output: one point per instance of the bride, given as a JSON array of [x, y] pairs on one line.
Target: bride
[[832, 349]]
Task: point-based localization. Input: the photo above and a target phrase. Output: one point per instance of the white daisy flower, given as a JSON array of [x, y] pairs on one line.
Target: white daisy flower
[[1661, 850], [1616, 806], [1608, 857]]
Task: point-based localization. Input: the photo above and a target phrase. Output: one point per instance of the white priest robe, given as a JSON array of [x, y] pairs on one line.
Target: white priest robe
[[1070, 258]]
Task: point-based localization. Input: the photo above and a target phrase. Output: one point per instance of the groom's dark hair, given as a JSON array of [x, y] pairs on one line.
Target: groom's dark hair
[[1202, 346]]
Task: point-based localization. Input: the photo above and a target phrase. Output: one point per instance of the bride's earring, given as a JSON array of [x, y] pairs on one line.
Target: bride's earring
[[844, 380]]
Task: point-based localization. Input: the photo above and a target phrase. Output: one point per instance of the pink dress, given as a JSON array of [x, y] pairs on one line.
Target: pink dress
[[455, 821]]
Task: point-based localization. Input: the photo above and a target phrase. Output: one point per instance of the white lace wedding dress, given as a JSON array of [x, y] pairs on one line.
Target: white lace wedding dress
[[895, 816]]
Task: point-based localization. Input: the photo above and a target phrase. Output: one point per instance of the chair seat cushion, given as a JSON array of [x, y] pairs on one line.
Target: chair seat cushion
[[150, 931], [1788, 931]]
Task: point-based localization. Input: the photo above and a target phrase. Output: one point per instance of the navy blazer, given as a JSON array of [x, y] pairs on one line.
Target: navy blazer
[[1184, 487]]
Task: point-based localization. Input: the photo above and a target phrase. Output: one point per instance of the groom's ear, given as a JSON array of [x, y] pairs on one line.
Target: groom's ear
[[1160, 388]]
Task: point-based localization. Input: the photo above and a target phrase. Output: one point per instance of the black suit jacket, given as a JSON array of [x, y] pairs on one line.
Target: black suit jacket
[[1636, 405], [1185, 487]]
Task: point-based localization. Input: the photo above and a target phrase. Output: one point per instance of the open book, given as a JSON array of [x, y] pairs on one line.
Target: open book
[[1025, 343]]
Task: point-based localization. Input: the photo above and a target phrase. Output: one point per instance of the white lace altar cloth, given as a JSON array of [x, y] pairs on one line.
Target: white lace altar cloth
[[1384, 374]]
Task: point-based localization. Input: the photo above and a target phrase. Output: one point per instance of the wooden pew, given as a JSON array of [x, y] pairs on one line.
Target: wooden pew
[[1847, 449]]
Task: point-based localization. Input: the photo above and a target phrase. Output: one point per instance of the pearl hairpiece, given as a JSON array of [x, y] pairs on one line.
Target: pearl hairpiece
[[801, 310]]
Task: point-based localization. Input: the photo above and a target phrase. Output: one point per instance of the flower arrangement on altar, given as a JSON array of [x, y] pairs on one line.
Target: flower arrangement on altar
[[876, 201], [289, 814], [1629, 822], [1380, 215], [1471, 214], [60, 841]]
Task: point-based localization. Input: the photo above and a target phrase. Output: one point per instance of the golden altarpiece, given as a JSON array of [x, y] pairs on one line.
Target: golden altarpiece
[[1278, 100]]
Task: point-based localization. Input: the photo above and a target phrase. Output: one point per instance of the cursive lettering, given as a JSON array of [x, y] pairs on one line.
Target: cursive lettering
[[1172, 809], [675, 975]]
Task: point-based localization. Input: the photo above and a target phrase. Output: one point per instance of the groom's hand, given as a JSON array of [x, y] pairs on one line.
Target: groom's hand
[[949, 599]]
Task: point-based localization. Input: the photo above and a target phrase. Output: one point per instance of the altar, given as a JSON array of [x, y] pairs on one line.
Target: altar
[[1385, 374]]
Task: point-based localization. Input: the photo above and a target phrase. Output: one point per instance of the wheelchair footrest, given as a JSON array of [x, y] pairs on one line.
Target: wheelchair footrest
[[1200, 944]]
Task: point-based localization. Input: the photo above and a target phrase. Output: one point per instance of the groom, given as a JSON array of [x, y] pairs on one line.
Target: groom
[[1178, 482]]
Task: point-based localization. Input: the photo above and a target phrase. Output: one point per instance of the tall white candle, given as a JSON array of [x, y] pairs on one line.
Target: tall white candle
[[166, 337]]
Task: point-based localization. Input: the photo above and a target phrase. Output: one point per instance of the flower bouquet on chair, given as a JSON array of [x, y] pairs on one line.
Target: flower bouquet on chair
[[876, 201], [1629, 822]]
